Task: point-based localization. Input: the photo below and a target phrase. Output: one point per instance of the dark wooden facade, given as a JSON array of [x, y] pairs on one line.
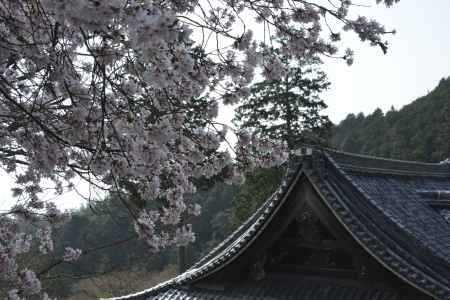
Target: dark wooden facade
[[341, 226]]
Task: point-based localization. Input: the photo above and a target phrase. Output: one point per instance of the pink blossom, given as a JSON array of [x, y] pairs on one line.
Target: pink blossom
[[71, 255], [274, 69], [244, 41], [22, 243], [213, 109], [184, 235], [45, 240], [29, 282], [14, 295], [146, 223], [196, 210]]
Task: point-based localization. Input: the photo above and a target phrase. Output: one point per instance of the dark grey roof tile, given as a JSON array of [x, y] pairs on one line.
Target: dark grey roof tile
[[378, 191], [285, 288]]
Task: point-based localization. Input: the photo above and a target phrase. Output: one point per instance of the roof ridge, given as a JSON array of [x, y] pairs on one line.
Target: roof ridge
[[424, 279], [373, 164], [373, 157]]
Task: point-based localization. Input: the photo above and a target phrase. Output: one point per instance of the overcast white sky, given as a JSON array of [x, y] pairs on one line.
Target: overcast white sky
[[418, 57]]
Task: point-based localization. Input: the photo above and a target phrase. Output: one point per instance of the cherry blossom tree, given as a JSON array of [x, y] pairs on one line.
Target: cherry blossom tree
[[124, 95]]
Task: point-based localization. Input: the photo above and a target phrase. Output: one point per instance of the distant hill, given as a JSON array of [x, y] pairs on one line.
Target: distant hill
[[419, 131]]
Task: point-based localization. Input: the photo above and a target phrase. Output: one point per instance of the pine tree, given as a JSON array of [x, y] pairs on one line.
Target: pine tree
[[288, 109]]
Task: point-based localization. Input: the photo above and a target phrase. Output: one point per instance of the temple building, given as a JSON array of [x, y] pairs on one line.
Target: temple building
[[340, 226]]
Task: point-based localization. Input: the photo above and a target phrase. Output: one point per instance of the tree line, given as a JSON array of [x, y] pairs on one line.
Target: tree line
[[419, 131]]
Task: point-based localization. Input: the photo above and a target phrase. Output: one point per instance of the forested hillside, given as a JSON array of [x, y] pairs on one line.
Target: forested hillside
[[418, 131]]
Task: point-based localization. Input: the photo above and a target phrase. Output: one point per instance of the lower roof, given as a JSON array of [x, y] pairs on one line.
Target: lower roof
[[283, 288]]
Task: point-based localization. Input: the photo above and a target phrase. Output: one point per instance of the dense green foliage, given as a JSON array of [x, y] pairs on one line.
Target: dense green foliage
[[256, 189], [288, 109], [419, 131], [213, 225]]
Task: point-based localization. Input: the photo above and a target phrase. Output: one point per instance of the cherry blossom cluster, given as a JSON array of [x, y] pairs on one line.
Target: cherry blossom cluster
[[124, 94], [17, 239], [71, 255], [13, 243]]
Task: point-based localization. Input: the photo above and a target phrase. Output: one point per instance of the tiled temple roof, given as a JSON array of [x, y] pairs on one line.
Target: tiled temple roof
[[378, 201], [284, 288], [388, 206]]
